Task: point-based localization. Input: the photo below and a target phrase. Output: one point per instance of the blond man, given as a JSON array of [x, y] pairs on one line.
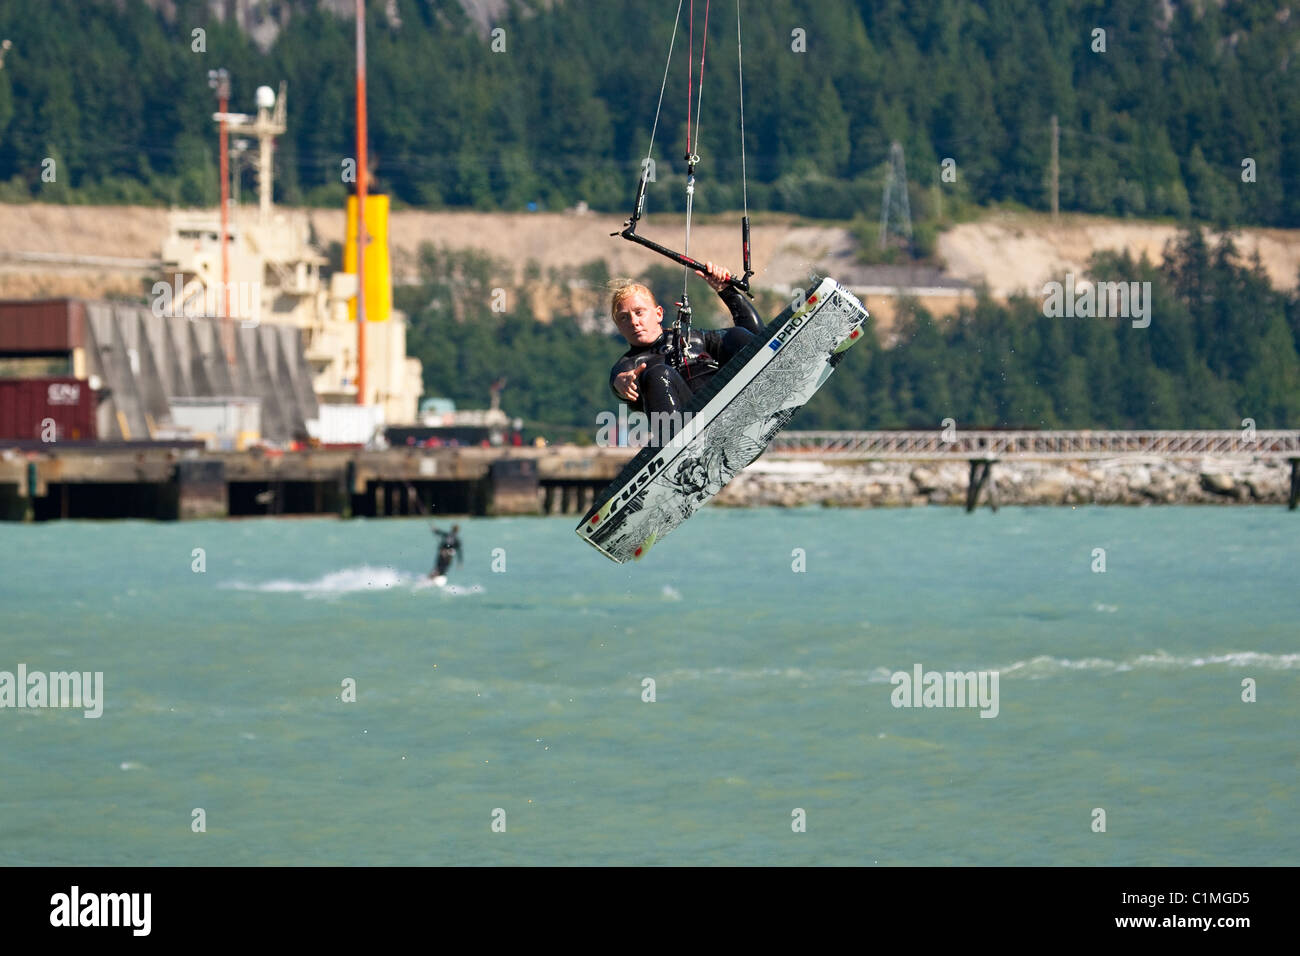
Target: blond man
[[648, 376]]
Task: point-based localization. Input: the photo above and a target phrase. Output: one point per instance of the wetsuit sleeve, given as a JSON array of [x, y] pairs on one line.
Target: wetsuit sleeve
[[712, 339], [625, 364], [741, 309]]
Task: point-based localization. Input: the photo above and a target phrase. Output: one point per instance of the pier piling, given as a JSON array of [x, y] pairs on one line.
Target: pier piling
[[29, 507], [979, 474], [201, 490]]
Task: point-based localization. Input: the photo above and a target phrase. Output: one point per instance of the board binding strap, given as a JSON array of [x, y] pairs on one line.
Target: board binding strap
[[731, 422]]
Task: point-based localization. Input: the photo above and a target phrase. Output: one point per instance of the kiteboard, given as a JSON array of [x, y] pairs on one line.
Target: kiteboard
[[731, 421]]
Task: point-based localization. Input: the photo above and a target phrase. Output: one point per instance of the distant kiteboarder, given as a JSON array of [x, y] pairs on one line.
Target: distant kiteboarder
[[448, 548]]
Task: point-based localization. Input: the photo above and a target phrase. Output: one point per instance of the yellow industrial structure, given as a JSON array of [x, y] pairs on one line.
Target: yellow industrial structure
[[275, 277]]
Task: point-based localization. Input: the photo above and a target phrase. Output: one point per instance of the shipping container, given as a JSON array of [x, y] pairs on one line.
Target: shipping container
[[225, 423], [42, 326], [47, 409], [346, 424]]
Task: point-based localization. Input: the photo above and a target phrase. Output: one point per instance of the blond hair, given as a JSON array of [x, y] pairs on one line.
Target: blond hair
[[623, 289]]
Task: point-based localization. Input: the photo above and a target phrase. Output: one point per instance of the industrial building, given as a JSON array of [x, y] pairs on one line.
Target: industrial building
[[144, 372], [238, 343]]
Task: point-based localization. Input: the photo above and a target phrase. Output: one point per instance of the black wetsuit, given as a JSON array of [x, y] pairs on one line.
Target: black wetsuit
[[662, 387], [448, 547]]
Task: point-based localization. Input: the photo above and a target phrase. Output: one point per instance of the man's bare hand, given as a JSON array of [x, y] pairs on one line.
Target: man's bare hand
[[625, 383], [717, 276]]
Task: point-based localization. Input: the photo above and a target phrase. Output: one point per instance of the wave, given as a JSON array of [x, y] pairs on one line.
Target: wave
[[351, 580], [1047, 666], [1037, 667]]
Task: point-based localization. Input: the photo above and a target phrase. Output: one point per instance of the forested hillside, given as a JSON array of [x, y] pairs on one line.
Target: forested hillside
[[1221, 347], [1159, 103], [1159, 124]]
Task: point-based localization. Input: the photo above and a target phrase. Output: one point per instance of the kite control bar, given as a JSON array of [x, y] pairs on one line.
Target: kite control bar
[[629, 232]]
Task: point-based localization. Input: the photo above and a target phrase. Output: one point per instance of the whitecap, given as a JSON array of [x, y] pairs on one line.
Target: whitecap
[[1047, 666], [350, 579], [346, 581]]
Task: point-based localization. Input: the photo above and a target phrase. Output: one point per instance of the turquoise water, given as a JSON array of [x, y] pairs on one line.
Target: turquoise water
[[521, 689]]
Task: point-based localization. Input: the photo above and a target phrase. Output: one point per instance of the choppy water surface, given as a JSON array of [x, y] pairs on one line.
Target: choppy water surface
[[522, 689]]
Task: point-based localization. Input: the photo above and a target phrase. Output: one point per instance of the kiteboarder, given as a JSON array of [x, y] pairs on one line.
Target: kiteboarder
[[448, 547], [658, 373]]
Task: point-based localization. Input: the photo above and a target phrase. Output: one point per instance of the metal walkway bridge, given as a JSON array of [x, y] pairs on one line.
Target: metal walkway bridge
[[1028, 445], [983, 448]]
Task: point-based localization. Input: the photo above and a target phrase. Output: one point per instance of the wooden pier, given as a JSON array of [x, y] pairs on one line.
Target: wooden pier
[[171, 482], [180, 481]]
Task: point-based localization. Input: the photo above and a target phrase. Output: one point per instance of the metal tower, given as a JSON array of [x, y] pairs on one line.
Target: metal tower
[[894, 204]]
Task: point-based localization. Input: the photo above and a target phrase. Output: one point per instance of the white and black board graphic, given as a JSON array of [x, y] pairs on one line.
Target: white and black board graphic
[[731, 422]]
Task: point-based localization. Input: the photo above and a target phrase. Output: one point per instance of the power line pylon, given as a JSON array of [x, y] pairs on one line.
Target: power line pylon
[[894, 204]]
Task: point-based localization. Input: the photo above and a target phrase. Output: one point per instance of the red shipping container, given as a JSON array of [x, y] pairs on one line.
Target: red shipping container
[[44, 409], [42, 326]]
